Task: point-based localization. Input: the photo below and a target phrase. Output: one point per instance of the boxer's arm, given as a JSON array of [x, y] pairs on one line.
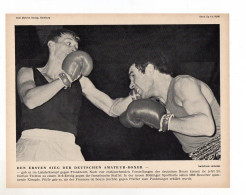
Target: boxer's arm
[[31, 95], [112, 107], [119, 106], [200, 120]]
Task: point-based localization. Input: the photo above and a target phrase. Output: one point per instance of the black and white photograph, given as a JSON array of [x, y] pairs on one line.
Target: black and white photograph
[[122, 97], [117, 101], [118, 92]]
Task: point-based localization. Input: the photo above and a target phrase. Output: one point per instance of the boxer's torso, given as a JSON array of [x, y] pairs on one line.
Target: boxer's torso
[[190, 143], [59, 113]]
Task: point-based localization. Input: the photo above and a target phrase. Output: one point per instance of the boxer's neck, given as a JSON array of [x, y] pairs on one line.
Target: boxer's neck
[[52, 68], [162, 83]]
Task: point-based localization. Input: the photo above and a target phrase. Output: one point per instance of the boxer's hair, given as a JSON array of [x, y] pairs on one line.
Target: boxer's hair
[[42, 57], [157, 59], [54, 35]]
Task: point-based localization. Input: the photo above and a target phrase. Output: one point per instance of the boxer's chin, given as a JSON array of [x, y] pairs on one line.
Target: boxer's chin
[[145, 95], [139, 91], [63, 56]]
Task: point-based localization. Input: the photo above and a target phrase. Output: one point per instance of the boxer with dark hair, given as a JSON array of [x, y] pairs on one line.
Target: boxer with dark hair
[[55, 34], [193, 113], [51, 99]]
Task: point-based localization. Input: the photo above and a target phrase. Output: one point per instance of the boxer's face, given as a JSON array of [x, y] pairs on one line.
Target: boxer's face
[[141, 82], [63, 46]]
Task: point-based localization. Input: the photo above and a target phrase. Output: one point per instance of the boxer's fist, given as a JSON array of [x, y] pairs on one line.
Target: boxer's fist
[[76, 64], [135, 95], [143, 111]]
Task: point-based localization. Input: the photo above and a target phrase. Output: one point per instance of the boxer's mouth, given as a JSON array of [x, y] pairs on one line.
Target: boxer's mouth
[[138, 91]]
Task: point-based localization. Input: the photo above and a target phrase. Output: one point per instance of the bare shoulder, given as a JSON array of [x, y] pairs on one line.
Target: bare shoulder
[[189, 87], [184, 79], [185, 83], [25, 74], [24, 71], [25, 79]]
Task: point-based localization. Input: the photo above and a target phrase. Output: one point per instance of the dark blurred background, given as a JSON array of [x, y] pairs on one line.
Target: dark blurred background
[[189, 49]]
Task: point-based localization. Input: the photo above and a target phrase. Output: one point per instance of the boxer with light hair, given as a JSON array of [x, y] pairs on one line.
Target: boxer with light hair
[[191, 110], [51, 98]]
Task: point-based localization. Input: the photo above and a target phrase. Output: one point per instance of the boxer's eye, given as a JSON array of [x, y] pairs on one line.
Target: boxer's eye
[[68, 43], [132, 76]]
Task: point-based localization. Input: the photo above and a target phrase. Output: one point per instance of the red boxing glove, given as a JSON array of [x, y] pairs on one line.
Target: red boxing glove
[[76, 64], [143, 111]]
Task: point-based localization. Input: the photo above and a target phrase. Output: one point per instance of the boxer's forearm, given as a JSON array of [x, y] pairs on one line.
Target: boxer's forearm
[[39, 95], [193, 125], [112, 107], [119, 106], [100, 100]]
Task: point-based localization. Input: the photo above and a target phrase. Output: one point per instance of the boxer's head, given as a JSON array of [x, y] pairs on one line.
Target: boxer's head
[[61, 42], [157, 59], [54, 35], [141, 82], [143, 73]]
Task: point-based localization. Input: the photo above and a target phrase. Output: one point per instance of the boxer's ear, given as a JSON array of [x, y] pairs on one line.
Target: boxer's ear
[[50, 44], [149, 69]]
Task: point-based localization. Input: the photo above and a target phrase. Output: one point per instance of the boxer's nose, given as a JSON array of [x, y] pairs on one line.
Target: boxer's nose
[[74, 49], [132, 85]]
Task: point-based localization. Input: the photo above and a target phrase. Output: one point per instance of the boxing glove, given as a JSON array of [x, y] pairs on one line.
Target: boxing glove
[[76, 64], [143, 111], [126, 122]]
